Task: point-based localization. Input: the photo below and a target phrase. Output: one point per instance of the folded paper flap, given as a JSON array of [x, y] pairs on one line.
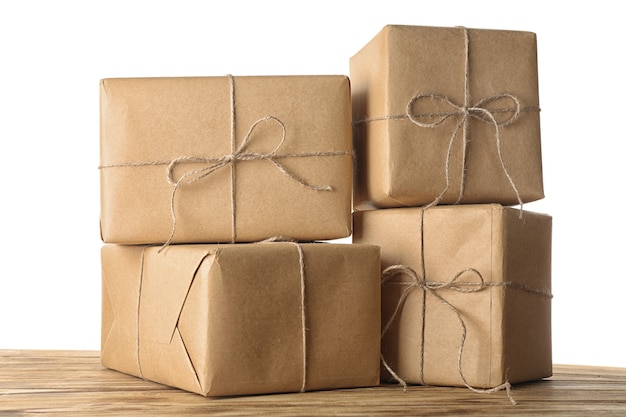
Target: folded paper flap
[[167, 278], [116, 265], [121, 275]]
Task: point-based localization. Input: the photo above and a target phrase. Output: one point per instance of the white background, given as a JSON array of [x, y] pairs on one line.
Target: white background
[[53, 54]]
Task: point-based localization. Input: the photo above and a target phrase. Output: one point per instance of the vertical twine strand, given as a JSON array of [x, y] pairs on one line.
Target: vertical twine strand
[[302, 315], [301, 267], [233, 147], [141, 269], [423, 262], [466, 105]]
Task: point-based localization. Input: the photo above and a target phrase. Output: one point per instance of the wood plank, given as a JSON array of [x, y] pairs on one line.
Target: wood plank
[[43, 383]]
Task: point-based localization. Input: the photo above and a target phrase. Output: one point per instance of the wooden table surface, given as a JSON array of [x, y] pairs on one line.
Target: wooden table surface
[[72, 383]]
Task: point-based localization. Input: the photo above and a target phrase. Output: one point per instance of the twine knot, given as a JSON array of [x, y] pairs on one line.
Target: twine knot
[[240, 154], [480, 111], [419, 281], [509, 104]]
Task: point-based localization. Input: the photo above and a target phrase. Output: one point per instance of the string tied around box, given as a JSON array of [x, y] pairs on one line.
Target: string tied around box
[[511, 108], [464, 113], [237, 154], [420, 281], [301, 266], [302, 281]]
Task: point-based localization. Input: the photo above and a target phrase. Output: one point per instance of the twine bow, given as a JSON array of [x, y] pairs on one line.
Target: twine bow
[[240, 154], [418, 281], [464, 113]]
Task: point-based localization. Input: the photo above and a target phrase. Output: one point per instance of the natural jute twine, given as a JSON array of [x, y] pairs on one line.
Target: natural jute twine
[[141, 272], [302, 300]]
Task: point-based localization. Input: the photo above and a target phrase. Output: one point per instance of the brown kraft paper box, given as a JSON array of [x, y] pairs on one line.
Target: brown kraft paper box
[[223, 320], [412, 107], [508, 320], [225, 159]]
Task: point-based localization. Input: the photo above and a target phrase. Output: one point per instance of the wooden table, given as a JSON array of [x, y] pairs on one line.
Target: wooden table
[[72, 383]]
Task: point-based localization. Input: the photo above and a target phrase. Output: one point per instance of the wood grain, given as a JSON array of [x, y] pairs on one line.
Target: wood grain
[[46, 383]]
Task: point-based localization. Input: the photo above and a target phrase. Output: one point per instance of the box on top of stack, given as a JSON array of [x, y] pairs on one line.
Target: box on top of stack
[[225, 159], [446, 114]]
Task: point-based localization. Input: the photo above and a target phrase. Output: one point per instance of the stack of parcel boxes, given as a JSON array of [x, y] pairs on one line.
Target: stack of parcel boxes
[[214, 189]]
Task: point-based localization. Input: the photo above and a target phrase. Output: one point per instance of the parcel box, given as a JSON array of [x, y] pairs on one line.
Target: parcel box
[[245, 318], [449, 114], [476, 309], [225, 159]]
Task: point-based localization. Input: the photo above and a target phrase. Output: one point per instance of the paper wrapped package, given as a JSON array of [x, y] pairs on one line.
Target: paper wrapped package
[[229, 319], [446, 113], [225, 159], [474, 306]]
